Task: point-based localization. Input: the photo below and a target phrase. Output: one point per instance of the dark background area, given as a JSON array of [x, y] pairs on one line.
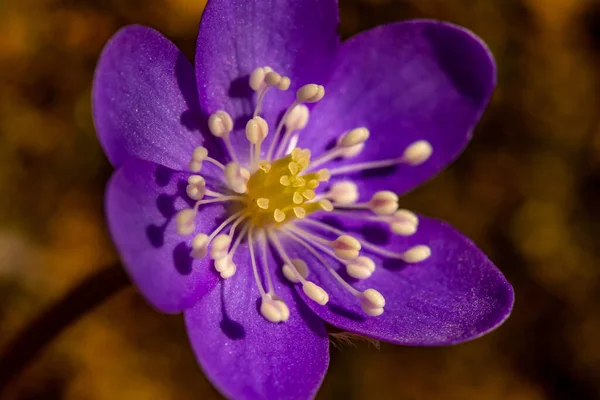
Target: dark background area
[[527, 191]]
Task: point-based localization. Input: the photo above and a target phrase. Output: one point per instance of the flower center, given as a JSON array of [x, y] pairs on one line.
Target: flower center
[[280, 191], [275, 193]]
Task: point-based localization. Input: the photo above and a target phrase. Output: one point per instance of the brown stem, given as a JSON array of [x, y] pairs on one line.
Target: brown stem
[[83, 298]]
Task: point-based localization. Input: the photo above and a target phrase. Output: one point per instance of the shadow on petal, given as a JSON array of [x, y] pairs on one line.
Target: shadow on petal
[[182, 259], [232, 329]]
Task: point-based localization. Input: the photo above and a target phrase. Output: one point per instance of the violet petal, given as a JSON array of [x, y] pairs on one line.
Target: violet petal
[[406, 81], [454, 296], [247, 357], [296, 38], [142, 199], [145, 102]]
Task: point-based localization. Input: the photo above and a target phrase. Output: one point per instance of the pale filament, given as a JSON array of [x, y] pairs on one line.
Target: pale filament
[[263, 245], [215, 162], [278, 130], [292, 234], [284, 255], [238, 240], [282, 143], [301, 234], [367, 245], [230, 149], [235, 225], [218, 199], [254, 267], [366, 165], [223, 225]]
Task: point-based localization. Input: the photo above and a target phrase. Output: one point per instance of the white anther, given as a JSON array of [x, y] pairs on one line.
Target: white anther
[[300, 266], [310, 93], [384, 203], [348, 152], [372, 302], [257, 79], [354, 137], [199, 246], [315, 293], [229, 271], [417, 153], [257, 130], [236, 177], [220, 123], [272, 78], [196, 187], [199, 155], [226, 267], [344, 192], [404, 222], [361, 268], [284, 83], [297, 118], [220, 246], [417, 254], [274, 310], [346, 247], [184, 221]]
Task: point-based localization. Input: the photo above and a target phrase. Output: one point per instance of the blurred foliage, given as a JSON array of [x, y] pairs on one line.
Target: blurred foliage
[[527, 191]]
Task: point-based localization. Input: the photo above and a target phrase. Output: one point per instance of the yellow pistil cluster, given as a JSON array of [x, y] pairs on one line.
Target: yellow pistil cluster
[[279, 191]]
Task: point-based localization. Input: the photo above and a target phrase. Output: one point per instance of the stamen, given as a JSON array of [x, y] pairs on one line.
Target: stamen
[[404, 222], [382, 203], [313, 291], [296, 120], [196, 187], [225, 265], [343, 193], [199, 155], [372, 302], [220, 125], [274, 310], [200, 243], [346, 146], [299, 265], [310, 93], [184, 221], [361, 268], [413, 255], [267, 272], [254, 267], [346, 247], [310, 246], [237, 177], [306, 94], [257, 130], [415, 154], [220, 246]]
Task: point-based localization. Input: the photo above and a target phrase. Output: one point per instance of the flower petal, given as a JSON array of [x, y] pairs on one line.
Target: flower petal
[[296, 38], [141, 201], [247, 357], [408, 81], [145, 101], [454, 296]]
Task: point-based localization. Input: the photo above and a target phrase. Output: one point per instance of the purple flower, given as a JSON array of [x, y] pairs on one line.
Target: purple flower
[[261, 207]]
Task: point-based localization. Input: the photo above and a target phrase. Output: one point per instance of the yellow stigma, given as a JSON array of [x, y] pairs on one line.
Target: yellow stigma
[[279, 191]]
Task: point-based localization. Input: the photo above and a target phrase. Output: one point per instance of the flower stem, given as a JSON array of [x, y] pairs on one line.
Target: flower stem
[[83, 298]]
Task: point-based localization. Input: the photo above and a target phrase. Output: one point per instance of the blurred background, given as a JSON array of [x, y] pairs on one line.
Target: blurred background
[[527, 191]]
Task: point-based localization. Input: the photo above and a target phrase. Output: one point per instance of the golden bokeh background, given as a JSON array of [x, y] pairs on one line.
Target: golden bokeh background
[[527, 191]]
